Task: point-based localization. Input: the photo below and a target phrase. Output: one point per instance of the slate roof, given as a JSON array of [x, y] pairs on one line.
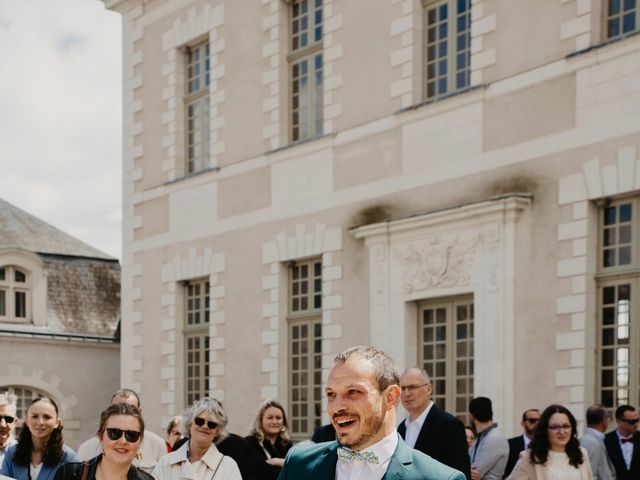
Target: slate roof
[[18, 229]]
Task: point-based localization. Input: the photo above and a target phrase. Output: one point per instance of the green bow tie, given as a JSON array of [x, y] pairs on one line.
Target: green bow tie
[[347, 457]]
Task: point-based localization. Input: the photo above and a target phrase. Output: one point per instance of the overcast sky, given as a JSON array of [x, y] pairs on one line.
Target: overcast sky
[[61, 116]]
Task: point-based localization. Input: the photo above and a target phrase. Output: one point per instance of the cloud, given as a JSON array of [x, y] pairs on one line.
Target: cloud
[[61, 115]]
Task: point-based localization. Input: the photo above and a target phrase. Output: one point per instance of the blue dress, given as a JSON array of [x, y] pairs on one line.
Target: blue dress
[[21, 472]]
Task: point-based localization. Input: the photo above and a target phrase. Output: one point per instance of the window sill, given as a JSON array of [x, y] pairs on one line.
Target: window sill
[[617, 272], [431, 101], [299, 142], [193, 175], [603, 44]]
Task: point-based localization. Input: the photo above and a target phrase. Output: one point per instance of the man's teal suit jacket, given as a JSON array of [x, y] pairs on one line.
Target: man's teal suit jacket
[[318, 462]]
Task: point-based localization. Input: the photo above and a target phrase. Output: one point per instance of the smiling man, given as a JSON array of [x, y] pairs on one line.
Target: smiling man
[[362, 395]]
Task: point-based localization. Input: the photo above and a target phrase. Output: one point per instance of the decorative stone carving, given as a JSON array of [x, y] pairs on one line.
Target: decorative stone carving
[[437, 262]]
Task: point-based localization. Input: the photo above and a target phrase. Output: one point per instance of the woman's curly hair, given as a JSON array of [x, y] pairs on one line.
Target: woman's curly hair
[[52, 453], [540, 443]]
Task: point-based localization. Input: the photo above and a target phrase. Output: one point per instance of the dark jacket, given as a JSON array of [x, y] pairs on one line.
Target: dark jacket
[[442, 437], [73, 471], [267, 471], [516, 445], [325, 433], [615, 454]]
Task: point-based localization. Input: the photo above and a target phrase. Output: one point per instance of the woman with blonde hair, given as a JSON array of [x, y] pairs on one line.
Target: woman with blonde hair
[[199, 457], [269, 440]]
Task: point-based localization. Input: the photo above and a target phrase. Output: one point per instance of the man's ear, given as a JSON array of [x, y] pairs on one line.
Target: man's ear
[[391, 396]]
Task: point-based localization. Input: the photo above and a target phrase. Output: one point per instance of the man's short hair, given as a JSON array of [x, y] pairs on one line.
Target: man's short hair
[[126, 393], [480, 408], [385, 369], [524, 414], [623, 408], [9, 400], [422, 371], [595, 414]]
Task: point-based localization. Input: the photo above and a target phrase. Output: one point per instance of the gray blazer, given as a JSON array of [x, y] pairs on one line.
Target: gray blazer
[[601, 466]]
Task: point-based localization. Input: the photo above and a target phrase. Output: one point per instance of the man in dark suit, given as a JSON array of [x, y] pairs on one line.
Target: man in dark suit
[[362, 396], [530, 419], [429, 428], [623, 444]]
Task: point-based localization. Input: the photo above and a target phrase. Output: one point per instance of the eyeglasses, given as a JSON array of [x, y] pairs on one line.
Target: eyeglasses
[[633, 421], [7, 418], [200, 422], [411, 388], [131, 436], [532, 420], [558, 428]]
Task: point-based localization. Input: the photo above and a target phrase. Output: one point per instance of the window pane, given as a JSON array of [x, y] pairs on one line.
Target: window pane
[[3, 304]]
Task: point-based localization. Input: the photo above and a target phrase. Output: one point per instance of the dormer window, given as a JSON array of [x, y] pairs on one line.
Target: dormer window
[[14, 294]]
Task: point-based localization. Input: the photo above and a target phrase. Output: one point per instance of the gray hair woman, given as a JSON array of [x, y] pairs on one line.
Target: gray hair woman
[[199, 458]]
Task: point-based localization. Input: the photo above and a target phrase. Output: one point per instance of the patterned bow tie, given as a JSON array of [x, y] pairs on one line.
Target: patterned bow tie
[[347, 457], [626, 440]]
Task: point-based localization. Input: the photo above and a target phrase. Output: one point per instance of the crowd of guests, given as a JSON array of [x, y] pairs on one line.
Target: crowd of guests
[[199, 447]]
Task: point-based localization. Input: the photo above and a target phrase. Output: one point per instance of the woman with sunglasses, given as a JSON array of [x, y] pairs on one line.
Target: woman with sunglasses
[[40, 449], [199, 458], [269, 440], [120, 434], [554, 452]]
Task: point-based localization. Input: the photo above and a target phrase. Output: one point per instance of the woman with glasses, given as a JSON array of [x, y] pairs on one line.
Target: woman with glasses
[[554, 452], [269, 440], [40, 449], [120, 434], [199, 458]]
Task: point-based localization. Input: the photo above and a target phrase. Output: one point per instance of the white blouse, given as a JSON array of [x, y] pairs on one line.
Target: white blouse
[[559, 468]]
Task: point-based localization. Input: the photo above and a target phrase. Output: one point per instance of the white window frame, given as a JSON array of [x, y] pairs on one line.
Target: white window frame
[[444, 374], [11, 287], [618, 328], [619, 18], [196, 107], [306, 67], [305, 347], [442, 79], [196, 331]]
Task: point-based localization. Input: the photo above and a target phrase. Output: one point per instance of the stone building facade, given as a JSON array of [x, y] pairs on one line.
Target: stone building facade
[[455, 181], [59, 320]]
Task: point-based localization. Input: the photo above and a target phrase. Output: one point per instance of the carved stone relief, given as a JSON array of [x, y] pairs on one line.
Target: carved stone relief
[[438, 261]]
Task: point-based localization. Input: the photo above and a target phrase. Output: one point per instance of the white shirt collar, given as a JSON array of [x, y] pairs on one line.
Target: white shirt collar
[[384, 448], [421, 418]]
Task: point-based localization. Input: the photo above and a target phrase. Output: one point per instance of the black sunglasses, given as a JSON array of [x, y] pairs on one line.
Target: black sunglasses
[[630, 422], [532, 420], [7, 418], [131, 436], [200, 422]]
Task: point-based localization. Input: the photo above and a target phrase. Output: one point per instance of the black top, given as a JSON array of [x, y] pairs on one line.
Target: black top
[[279, 449], [325, 433], [442, 437], [516, 445], [73, 471]]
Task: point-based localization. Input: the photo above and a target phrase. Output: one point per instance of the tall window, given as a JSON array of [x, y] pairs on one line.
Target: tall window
[[447, 47], [306, 69], [618, 307], [305, 346], [14, 294], [623, 17], [196, 338], [446, 352], [197, 107]]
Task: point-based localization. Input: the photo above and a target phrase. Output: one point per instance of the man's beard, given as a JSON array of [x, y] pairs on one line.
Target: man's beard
[[371, 427]]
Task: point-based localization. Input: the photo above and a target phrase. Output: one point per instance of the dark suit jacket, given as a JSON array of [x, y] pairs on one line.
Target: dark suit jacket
[[318, 462], [516, 445], [442, 437], [615, 454]]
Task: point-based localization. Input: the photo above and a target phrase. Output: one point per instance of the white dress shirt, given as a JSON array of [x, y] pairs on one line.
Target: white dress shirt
[[627, 450], [360, 470], [414, 426]]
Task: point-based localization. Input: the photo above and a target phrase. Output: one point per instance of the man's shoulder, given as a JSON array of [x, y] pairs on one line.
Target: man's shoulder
[[304, 450], [516, 441], [428, 468]]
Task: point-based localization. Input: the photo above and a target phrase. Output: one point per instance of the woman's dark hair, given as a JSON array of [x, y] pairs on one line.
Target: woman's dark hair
[[120, 409], [540, 443], [52, 453]]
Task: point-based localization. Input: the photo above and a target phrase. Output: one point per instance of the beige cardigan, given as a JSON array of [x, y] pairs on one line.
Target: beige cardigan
[[525, 470]]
